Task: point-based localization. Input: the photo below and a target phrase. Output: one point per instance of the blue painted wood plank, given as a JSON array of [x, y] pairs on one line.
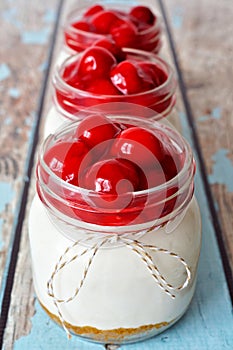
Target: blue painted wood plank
[[46, 335], [7, 194], [218, 176], [16, 117]]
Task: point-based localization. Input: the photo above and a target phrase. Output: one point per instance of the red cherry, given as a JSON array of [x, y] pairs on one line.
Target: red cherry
[[103, 20], [130, 79], [157, 74], [138, 145], [65, 158], [70, 70], [171, 165], [102, 86], [152, 178], [70, 74], [93, 10], [111, 46], [114, 180], [82, 25], [124, 33], [172, 160], [105, 176], [143, 14], [125, 77], [95, 129], [73, 40], [95, 63]]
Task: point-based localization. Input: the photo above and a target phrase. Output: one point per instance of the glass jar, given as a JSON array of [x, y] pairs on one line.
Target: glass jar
[[77, 40], [71, 103], [115, 276]]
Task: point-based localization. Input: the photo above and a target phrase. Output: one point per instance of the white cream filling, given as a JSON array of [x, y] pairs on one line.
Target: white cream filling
[[53, 121], [119, 291]]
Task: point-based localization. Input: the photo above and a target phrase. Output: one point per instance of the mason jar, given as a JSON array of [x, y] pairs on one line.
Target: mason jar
[[116, 274]]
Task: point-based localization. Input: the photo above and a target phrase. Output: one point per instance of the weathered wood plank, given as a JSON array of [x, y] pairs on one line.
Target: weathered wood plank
[[28, 25], [207, 325], [203, 35], [23, 299], [23, 44], [211, 287]]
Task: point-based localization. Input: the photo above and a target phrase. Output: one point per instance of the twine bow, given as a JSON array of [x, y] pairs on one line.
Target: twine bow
[[140, 248]]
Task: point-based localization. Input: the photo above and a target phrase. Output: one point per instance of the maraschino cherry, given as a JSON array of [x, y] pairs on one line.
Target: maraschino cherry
[[139, 145]]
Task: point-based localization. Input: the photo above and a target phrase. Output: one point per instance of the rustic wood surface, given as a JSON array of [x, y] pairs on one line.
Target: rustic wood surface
[[202, 32], [197, 27], [23, 49]]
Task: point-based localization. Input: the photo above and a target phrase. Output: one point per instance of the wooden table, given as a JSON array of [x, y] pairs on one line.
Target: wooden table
[[198, 42]]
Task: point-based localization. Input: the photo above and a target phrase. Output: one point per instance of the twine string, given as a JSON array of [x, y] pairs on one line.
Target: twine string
[[180, 259], [140, 248], [61, 264], [143, 254]]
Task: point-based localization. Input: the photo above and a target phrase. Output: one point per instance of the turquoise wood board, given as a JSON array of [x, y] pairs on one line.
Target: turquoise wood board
[[7, 195], [208, 324]]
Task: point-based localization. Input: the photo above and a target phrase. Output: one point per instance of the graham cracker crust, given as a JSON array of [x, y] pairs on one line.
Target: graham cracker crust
[[109, 335]]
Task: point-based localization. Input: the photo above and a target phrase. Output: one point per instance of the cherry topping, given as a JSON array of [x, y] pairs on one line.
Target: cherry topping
[[93, 10], [111, 46], [154, 71], [65, 158], [95, 62], [138, 145], [129, 159], [124, 33], [134, 29], [143, 14], [102, 74], [103, 21], [125, 77], [112, 176], [96, 129], [152, 177], [70, 73], [170, 164], [103, 87], [82, 25], [96, 71], [130, 79]]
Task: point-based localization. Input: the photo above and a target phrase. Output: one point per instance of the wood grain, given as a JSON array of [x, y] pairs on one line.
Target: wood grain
[[207, 324], [32, 34], [202, 32], [22, 55]]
